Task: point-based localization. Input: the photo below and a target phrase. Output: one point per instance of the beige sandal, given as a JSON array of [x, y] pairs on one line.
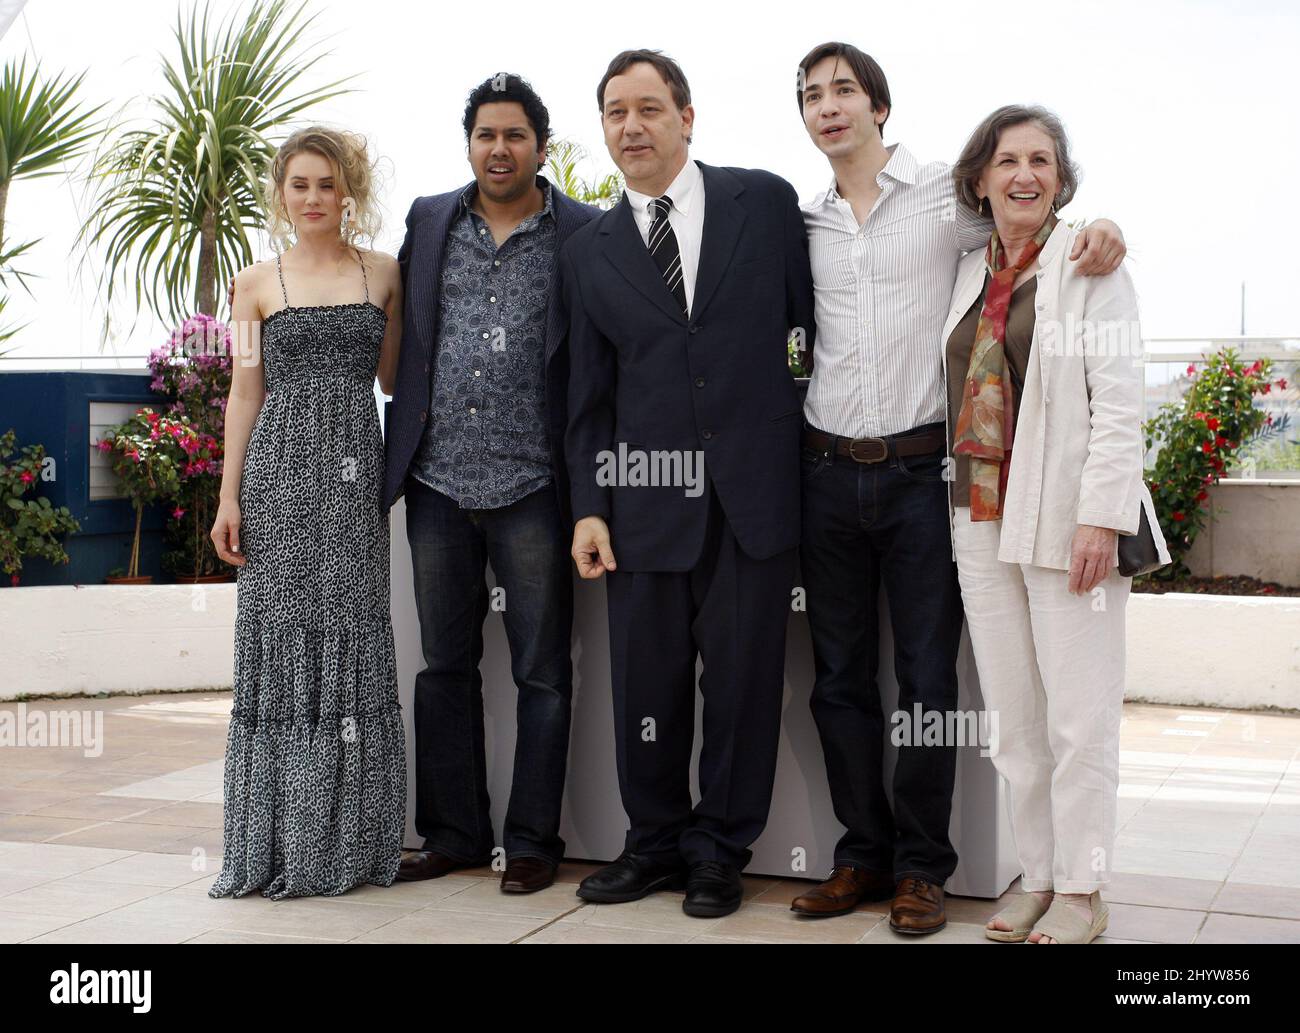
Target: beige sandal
[[1064, 924], [1021, 915]]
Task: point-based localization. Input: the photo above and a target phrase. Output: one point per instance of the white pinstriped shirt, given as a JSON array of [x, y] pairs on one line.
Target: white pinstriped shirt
[[882, 292]]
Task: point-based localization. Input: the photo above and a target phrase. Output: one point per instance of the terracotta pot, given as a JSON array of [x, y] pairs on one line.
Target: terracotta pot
[[143, 579]]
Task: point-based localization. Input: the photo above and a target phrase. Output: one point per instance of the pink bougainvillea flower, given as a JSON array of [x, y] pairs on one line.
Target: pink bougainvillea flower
[[177, 513], [1207, 447], [1220, 440], [13, 580], [1212, 423], [1191, 371], [27, 477], [1179, 516], [1281, 383]]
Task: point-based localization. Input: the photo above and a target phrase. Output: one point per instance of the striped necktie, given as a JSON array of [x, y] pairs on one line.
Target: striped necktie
[[663, 249]]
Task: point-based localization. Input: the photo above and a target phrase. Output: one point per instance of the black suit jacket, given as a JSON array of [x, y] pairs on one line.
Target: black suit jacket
[[645, 376], [420, 258]]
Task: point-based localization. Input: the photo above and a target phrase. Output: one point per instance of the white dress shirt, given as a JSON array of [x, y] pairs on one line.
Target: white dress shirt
[[882, 292], [686, 217]]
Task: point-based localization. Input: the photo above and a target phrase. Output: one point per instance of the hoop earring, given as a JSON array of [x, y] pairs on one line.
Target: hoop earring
[[982, 212]]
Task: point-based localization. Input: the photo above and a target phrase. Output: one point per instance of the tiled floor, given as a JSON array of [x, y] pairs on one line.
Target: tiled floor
[[122, 847]]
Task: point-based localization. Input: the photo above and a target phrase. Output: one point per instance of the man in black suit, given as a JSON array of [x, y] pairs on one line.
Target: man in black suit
[[474, 437], [683, 455]]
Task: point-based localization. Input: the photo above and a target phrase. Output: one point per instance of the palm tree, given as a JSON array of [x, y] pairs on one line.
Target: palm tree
[[562, 158], [179, 196], [42, 127]]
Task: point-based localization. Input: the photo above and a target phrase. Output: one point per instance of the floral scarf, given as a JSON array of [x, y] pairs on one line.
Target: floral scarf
[[986, 423]]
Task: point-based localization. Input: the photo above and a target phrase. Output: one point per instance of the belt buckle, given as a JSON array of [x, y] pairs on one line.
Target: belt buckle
[[880, 444]]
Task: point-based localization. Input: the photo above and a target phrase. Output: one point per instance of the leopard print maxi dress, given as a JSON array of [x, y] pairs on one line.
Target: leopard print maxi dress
[[315, 770]]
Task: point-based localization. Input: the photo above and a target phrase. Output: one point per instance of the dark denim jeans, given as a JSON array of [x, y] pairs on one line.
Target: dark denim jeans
[[864, 523], [529, 552]]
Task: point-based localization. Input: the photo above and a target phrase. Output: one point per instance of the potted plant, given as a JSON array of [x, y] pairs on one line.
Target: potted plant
[[28, 527], [1198, 438], [192, 370], [148, 454]]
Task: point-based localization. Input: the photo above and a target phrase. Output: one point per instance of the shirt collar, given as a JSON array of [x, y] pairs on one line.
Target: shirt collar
[[548, 205], [901, 166], [684, 190]]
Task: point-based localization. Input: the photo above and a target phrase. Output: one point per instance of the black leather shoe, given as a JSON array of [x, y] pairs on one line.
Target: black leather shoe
[[713, 889], [427, 864], [527, 875], [631, 877]]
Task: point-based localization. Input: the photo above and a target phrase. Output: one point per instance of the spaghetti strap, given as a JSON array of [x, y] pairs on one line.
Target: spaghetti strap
[[364, 281], [279, 270]]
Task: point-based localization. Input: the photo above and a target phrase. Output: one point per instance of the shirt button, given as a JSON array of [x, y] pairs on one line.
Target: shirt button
[[493, 298], [481, 232], [472, 410], [478, 373], [496, 261], [485, 335]]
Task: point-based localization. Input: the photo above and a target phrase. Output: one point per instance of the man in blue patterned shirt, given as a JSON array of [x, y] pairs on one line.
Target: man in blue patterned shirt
[[475, 440]]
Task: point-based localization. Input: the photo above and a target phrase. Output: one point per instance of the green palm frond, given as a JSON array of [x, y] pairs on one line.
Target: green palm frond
[[180, 197], [563, 157], [41, 125], [6, 332]]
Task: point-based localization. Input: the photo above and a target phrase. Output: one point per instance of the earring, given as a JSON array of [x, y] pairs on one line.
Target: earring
[[349, 213], [982, 212]]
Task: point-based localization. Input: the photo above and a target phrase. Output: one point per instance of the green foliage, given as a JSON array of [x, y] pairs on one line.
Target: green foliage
[[28, 527], [178, 198], [563, 158], [1198, 438]]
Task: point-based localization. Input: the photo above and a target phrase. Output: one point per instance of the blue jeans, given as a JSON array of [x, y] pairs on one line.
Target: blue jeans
[[528, 548], [864, 524]]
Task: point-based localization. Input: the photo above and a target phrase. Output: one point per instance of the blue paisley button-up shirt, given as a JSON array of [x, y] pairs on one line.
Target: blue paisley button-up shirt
[[485, 443]]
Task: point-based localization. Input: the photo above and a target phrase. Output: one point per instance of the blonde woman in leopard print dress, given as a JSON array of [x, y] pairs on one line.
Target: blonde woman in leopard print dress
[[315, 772]]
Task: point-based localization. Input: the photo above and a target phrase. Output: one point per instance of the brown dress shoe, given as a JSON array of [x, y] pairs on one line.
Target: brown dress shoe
[[842, 892], [917, 906], [427, 864], [527, 875]]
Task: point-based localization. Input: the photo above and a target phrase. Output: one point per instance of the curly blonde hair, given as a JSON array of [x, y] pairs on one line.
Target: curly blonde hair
[[354, 177]]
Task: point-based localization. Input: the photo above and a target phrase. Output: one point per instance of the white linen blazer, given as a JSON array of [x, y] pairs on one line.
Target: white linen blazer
[[1078, 452]]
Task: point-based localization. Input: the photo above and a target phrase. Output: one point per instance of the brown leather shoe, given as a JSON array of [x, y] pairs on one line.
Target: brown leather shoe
[[917, 906], [527, 875], [842, 892], [427, 864]]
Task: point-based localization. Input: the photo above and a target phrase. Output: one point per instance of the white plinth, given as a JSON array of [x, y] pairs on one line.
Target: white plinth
[[801, 830]]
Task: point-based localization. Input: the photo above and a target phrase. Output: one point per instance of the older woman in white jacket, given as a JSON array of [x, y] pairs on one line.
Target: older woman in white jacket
[[1045, 399]]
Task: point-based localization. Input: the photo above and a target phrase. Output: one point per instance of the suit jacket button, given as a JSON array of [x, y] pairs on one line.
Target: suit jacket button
[[694, 329], [699, 381], [706, 434]]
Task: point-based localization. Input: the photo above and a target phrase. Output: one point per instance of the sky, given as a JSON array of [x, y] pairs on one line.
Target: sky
[[1181, 114]]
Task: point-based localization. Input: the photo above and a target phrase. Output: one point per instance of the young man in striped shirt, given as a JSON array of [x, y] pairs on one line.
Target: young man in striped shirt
[[884, 242]]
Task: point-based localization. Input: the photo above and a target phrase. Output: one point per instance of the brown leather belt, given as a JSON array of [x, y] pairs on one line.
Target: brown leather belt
[[876, 450]]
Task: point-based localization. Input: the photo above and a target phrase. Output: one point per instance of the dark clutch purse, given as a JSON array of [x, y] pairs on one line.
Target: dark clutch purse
[[1137, 552]]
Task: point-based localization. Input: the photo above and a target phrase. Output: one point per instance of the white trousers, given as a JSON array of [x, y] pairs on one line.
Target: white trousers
[[1051, 667]]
